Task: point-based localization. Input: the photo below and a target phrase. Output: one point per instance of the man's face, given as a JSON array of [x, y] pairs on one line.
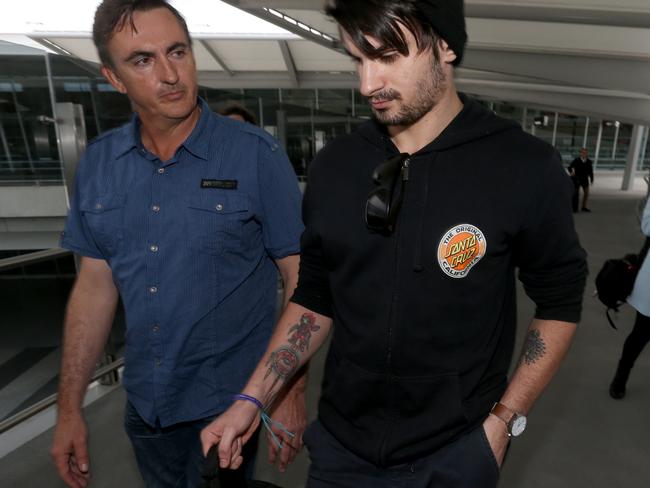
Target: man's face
[[583, 153], [400, 89], [154, 66]]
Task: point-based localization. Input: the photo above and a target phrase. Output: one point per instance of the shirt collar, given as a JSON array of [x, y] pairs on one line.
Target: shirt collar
[[196, 143]]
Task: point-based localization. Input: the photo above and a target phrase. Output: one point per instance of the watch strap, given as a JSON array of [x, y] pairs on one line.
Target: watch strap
[[504, 413]]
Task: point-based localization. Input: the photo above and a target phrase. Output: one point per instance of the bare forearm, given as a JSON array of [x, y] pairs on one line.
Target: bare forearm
[[546, 345], [89, 317], [298, 335], [288, 267]]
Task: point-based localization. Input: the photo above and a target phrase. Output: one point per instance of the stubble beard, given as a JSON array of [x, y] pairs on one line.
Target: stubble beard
[[428, 91]]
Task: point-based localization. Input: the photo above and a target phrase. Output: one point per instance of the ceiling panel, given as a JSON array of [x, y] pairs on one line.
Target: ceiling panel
[[204, 60], [312, 57], [549, 37], [81, 47], [246, 55]]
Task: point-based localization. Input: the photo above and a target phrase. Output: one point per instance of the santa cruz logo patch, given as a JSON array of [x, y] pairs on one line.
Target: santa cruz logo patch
[[460, 248]]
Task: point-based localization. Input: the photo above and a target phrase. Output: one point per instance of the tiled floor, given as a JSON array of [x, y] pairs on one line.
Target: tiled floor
[[577, 436]]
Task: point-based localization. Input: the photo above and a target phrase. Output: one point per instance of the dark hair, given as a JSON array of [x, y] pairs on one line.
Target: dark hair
[[113, 15], [381, 20], [234, 108]]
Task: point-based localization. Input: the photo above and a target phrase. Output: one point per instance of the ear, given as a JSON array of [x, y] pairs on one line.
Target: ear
[[447, 55], [113, 79]]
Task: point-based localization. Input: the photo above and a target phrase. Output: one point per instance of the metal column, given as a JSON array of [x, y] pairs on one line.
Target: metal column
[[260, 104], [50, 84], [281, 116], [633, 157], [615, 143], [72, 137], [5, 147], [599, 139], [19, 117]]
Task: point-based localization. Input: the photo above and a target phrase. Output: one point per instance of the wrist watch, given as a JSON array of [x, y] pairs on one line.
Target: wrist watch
[[515, 422]]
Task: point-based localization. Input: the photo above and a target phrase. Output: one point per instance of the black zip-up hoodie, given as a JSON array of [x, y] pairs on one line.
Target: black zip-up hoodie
[[425, 318]]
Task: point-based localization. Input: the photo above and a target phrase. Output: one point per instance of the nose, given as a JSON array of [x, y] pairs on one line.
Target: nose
[[167, 72], [370, 78]]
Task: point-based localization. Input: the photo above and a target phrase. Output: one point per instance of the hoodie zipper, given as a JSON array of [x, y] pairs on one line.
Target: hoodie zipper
[[389, 353], [405, 178]]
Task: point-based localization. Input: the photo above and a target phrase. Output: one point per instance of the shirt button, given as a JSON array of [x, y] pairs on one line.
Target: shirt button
[[99, 206], [155, 208], [161, 171], [219, 207], [153, 248], [156, 328], [158, 362], [153, 289]]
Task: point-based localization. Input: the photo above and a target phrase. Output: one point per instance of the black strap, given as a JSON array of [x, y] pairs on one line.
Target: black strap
[[210, 469], [213, 477], [611, 322]]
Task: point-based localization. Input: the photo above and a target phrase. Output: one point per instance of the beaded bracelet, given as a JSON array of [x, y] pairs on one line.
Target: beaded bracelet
[[267, 421]]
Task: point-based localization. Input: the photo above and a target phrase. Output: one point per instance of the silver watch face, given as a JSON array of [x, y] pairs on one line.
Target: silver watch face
[[518, 426]]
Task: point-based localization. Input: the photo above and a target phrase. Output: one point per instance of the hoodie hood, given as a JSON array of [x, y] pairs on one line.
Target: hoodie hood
[[472, 123]]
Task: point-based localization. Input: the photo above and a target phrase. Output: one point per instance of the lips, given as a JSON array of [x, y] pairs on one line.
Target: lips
[[380, 104], [173, 96]]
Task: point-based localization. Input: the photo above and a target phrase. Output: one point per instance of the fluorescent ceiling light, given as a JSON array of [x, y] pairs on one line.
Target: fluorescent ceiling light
[[207, 19]]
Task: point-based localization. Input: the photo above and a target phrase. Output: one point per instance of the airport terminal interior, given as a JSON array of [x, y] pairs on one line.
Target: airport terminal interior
[[574, 73]]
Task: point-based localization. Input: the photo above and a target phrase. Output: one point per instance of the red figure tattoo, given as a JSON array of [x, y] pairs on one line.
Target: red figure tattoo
[[285, 360]]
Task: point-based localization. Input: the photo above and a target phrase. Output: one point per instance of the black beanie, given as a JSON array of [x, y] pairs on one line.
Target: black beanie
[[447, 18]]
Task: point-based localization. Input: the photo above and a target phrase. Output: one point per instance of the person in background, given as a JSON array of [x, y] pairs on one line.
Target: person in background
[[187, 217], [581, 170], [640, 335], [237, 111], [416, 225]]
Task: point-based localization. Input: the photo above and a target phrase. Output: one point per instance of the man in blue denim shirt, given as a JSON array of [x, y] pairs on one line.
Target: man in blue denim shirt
[[186, 216]]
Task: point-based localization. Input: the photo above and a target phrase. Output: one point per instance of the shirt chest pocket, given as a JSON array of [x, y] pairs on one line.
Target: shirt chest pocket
[[216, 221], [104, 216]]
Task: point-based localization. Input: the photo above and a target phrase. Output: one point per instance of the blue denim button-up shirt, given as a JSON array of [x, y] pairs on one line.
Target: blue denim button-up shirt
[[191, 243]]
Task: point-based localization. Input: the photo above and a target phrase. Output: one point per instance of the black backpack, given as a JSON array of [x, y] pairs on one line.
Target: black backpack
[[615, 280]]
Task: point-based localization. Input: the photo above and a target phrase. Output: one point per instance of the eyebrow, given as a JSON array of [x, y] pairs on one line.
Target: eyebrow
[[150, 54]]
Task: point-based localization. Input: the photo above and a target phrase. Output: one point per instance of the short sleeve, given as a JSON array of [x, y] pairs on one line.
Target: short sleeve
[[281, 201], [76, 235]]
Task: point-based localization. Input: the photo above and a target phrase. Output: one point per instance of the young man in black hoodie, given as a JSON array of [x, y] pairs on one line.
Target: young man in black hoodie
[[415, 226]]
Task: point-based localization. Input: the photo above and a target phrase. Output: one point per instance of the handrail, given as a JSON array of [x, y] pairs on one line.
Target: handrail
[[32, 258], [29, 412]]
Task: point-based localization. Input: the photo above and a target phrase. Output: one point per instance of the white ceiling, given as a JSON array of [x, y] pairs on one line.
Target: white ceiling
[[589, 57]]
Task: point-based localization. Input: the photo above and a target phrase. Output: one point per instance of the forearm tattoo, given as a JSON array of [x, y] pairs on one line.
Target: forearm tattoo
[[285, 360], [534, 348]]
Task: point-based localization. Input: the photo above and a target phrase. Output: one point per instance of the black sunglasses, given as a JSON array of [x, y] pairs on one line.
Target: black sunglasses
[[384, 202]]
